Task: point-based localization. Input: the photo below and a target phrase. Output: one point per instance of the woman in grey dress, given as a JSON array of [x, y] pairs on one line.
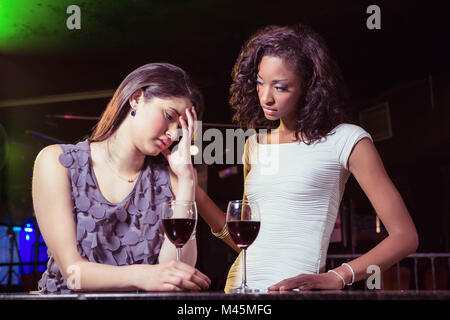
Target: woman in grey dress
[[98, 202]]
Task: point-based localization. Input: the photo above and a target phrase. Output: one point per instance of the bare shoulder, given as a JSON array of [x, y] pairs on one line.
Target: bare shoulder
[[47, 162], [50, 184], [364, 150], [50, 153], [365, 162]]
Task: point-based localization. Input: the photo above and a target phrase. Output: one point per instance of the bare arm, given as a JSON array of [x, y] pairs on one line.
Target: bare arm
[[53, 206], [366, 165], [183, 179], [211, 213]]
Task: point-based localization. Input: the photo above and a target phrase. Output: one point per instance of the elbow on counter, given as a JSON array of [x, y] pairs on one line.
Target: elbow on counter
[[72, 276]]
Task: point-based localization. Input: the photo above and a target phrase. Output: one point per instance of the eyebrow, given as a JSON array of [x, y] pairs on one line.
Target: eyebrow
[[174, 110], [275, 81]]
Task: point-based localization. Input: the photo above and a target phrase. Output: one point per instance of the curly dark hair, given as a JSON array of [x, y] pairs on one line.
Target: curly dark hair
[[321, 107]]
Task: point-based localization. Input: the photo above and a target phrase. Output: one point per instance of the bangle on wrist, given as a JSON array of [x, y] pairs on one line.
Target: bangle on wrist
[[353, 273], [342, 278], [222, 234]]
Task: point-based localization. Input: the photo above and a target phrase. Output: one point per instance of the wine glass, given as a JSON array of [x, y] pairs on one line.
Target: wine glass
[[179, 219], [243, 223]]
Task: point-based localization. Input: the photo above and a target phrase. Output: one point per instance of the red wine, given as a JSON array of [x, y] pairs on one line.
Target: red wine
[[243, 233], [179, 230]]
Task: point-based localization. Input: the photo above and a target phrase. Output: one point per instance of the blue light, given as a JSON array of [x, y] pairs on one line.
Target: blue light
[[30, 245], [16, 229]]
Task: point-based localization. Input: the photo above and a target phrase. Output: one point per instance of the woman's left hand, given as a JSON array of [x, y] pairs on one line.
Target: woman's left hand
[[180, 159], [325, 281]]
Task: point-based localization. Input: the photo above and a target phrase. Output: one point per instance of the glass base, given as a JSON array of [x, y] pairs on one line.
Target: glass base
[[245, 290]]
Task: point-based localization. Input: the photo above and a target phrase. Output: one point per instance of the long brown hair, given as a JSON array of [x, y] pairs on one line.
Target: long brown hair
[[324, 93], [161, 80]]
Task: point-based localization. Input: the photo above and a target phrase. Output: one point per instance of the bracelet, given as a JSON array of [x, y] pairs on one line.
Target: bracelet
[[342, 278], [353, 273], [223, 233]]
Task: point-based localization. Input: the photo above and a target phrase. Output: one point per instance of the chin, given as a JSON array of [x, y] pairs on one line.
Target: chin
[[150, 150], [154, 151], [271, 118]]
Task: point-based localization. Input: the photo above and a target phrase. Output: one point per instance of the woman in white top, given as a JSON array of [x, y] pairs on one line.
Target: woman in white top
[[297, 173]]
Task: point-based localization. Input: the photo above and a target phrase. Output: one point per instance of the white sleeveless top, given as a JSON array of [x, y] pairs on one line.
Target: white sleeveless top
[[298, 188]]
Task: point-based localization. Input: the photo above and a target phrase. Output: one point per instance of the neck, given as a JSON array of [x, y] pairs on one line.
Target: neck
[[286, 127], [122, 154]]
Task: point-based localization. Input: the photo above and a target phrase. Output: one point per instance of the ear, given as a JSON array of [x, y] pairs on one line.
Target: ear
[[136, 97]]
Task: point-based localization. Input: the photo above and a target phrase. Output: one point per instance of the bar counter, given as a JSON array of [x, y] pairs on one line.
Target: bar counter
[[218, 305], [220, 296]]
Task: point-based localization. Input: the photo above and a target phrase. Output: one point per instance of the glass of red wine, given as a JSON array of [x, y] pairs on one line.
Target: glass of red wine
[[179, 219], [243, 223]]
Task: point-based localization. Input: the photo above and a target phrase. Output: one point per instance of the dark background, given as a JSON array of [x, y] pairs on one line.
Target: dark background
[[405, 63]]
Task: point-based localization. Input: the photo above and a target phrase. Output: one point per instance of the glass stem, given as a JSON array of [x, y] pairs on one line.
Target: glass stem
[[178, 254], [244, 269]]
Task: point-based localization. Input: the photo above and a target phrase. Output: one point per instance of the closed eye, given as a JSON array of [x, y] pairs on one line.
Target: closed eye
[[168, 116]]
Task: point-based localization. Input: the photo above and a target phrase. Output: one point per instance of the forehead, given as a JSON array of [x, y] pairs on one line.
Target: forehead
[[180, 104], [275, 67]]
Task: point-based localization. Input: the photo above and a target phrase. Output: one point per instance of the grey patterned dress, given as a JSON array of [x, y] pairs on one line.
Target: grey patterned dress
[[116, 234]]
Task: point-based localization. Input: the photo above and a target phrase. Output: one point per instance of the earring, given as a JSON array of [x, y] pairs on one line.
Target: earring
[[133, 111]]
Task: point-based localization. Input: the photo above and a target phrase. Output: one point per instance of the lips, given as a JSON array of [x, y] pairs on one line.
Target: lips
[[162, 143], [269, 110]]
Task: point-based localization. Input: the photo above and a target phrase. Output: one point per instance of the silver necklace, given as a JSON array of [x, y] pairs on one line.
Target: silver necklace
[[111, 166]]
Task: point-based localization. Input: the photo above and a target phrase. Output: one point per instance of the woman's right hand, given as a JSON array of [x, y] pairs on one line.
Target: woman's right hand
[[179, 160], [171, 276]]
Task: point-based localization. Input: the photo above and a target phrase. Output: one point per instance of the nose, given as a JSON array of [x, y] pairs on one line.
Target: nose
[[172, 132], [265, 96]]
